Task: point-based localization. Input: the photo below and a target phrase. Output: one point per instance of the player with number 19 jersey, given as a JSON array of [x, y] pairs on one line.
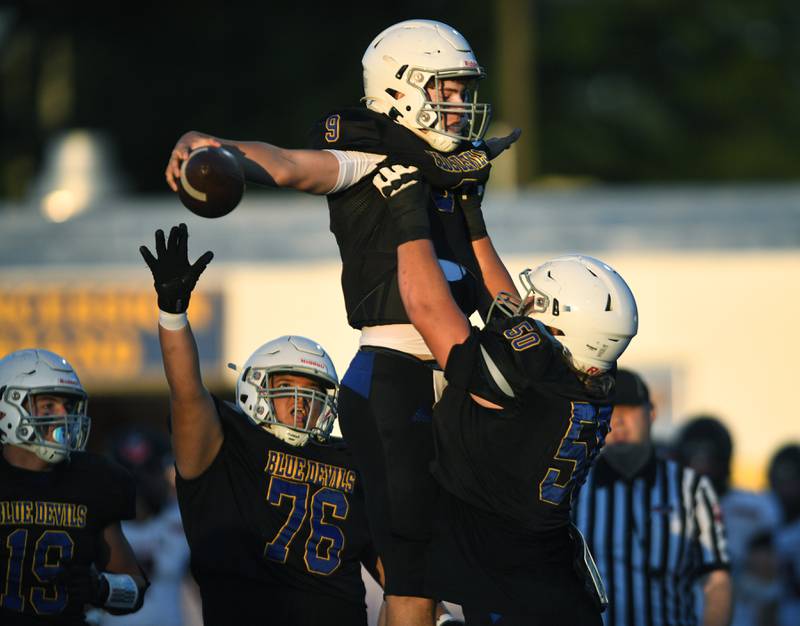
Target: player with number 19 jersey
[[509, 474], [277, 532], [48, 519]]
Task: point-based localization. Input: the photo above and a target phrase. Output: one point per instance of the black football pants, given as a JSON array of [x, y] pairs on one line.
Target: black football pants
[[385, 415]]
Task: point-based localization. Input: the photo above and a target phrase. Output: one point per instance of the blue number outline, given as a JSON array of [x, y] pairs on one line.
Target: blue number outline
[[42, 604], [18, 603], [278, 548], [38, 596], [557, 491], [322, 531]]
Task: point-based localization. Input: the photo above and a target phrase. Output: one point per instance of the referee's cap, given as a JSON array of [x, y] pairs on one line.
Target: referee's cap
[[630, 389]]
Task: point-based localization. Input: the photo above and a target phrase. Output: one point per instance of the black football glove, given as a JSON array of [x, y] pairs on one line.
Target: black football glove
[[173, 275], [407, 198], [470, 197], [83, 584], [494, 146]]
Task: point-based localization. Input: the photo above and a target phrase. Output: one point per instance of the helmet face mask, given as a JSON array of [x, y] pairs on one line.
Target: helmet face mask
[[408, 63], [289, 388], [436, 109], [42, 405]]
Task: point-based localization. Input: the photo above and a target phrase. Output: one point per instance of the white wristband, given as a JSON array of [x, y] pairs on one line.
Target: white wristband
[[172, 321], [122, 591], [444, 618]]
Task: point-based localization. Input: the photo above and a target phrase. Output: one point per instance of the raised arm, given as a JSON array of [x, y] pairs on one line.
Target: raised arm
[[428, 300], [196, 430], [495, 274], [313, 171], [423, 288]]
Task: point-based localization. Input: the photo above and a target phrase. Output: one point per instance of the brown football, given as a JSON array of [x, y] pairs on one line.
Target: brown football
[[211, 183]]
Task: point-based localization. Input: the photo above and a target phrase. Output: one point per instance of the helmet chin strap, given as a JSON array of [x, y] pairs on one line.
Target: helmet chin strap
[[286, 434], [45, 453]]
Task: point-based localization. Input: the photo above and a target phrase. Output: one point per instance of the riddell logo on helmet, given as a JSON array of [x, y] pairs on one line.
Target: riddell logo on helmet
[[67, 381], [314, 363], [470, 63]]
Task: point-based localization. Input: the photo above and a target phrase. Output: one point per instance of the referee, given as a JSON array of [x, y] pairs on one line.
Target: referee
[[653, 525]]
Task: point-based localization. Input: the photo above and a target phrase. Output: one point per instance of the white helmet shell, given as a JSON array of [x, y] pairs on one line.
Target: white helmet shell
[[297, 356], [25, 374], [587, 301], [403, 59]]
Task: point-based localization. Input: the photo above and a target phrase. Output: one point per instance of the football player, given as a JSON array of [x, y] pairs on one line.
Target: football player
[[272, 507], [61, 546], [420, 107], [525, 410]]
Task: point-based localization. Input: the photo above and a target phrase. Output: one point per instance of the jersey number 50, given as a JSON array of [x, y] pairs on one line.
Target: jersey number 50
[[51, 549], [325, 540]]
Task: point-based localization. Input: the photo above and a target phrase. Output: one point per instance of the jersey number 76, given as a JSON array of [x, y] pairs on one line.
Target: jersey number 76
[[325, 540]]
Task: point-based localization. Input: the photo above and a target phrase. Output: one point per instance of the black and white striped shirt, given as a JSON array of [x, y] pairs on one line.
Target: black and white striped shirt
[[651, 536]]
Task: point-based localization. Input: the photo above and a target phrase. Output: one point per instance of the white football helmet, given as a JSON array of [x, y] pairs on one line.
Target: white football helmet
[[415, 54], [313, 411], [589, 305], [52, 435]]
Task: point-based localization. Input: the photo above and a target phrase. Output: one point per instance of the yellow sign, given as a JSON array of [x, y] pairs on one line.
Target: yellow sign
[[109, 334]]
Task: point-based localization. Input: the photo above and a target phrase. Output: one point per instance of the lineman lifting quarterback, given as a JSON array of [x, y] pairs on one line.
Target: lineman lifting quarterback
[[420, 108], [272, 510], [61, 545], [525, 411]]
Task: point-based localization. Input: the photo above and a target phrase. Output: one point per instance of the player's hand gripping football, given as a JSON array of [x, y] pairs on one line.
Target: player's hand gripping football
[[174, 277], [188, 142], [407, 199]]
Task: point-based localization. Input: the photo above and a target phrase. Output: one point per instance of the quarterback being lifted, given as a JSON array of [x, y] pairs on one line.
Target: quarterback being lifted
[[420, 108]]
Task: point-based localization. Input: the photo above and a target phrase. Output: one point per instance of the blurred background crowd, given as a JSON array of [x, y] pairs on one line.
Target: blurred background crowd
[[660, 136]]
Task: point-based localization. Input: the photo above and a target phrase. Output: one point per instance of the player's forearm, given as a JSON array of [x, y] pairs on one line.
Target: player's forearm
[[428, 300], [118, 562], [196, 431], [495, 274], [718, 594], [181, 363], [313, 171]]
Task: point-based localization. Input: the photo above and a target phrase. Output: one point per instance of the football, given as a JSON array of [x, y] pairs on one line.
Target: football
[[211, 183]]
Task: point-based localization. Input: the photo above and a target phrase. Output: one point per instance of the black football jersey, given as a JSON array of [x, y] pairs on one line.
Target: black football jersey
[[522, 462], [48, 518], [363, 227], [268, 521]]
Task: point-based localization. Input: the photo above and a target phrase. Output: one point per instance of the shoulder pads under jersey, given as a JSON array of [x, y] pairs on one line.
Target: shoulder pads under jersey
[[367, 131]]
